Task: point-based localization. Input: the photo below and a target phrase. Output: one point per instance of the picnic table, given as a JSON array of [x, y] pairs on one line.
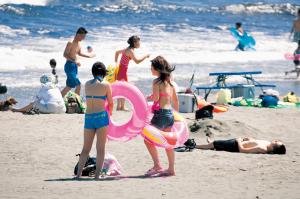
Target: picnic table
[[221, 81]]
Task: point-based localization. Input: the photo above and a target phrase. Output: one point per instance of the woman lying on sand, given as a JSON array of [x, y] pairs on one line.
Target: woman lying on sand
[[245, 145]]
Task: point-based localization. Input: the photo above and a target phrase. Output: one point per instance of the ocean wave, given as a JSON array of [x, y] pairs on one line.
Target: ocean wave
[[28, 2], [148, 6], [11, 9], [8, 31], [198, 47], [129, 6], [141, 8], [261, 8]]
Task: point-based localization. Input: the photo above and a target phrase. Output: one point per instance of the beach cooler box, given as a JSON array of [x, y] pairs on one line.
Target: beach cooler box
[[186, 103], [243, 90]]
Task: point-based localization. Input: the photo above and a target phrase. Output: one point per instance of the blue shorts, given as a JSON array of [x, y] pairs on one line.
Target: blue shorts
[[96, 120], [163, 118], [71, 70]]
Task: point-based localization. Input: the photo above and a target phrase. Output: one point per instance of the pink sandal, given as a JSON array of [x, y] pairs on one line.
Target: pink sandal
[[153, 171]]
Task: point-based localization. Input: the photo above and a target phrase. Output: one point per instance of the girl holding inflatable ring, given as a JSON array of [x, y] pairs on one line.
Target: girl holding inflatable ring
[[164, 95]]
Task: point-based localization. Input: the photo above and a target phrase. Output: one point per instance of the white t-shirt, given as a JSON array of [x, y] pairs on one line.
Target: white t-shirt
[[49, 94]]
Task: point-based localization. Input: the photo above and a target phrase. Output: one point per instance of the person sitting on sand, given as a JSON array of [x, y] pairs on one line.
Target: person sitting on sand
[[48, 99], [296, 28], [245, 145], [96, 122], [73, 49], [126, 55]]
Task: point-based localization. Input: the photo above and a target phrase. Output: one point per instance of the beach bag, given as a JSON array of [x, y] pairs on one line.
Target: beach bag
[[111, 166], [269, 101], [204, 112], [224, 96], [89, 167], [74, 103]]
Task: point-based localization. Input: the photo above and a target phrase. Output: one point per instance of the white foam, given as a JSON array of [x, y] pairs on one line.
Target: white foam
[[189, 49], [149, 6], [19, 11], [261, 8], [29, 2], [8, 31]]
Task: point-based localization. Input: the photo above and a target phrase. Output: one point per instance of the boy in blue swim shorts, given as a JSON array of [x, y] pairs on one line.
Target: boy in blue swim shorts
[[295, 31], [73, 49]]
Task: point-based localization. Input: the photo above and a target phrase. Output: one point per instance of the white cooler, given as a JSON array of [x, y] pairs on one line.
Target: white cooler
[[186, 103]]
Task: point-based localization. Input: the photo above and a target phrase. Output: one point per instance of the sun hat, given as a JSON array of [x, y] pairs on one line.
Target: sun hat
[[44, 79]]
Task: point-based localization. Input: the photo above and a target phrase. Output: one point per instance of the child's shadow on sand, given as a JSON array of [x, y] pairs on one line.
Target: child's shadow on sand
[[108, 178]]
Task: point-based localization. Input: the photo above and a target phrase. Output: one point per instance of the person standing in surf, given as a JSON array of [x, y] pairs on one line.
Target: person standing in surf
[[127, 55], [73, 49], [241, 32], [246, 41], [296, 28], [296, 60]]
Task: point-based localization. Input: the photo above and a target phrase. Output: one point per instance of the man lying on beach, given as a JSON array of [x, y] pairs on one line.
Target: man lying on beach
[[245, 145]]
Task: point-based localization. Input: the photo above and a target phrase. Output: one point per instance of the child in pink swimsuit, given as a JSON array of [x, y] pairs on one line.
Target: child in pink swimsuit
[[127, 55]]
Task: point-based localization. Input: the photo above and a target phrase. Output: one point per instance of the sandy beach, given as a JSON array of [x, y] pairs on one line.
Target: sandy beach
[[38, 157], [38, 152]]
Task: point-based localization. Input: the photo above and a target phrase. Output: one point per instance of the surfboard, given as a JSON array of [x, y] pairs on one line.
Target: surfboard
[[245, 40]]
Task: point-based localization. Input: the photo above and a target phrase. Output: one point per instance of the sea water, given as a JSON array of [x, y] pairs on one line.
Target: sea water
[[192, 35]]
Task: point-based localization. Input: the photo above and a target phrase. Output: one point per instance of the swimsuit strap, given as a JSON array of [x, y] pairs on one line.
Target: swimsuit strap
[[97, 78], [103, 97], [163, 94]]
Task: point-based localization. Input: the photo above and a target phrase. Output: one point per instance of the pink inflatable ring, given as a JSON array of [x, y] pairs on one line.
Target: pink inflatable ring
[[138, 120]]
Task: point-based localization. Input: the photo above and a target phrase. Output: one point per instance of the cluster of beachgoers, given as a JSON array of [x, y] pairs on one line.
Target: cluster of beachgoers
[[99, 103], [226, 149]]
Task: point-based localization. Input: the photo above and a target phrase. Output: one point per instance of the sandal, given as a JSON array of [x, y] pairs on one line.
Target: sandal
[[166, 173], [182, 149], [153, 171]]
